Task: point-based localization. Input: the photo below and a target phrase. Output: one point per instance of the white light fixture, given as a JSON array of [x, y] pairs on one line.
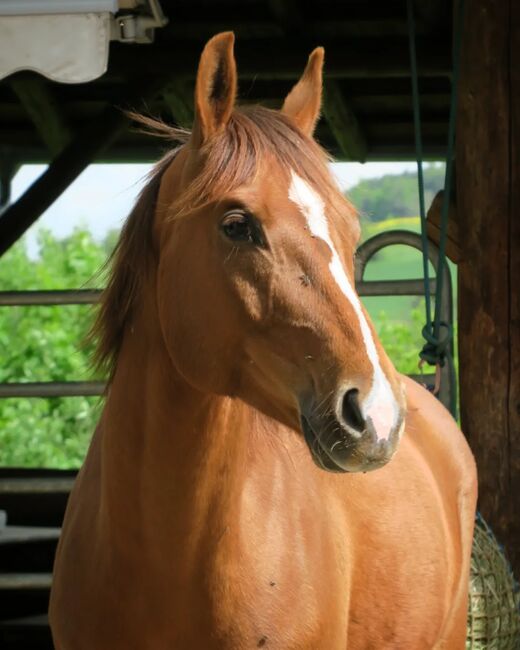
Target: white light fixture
[[68, 40], [46, 7]]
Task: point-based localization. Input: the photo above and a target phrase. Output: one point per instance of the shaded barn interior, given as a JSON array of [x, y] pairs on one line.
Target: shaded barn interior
[[367, 116]]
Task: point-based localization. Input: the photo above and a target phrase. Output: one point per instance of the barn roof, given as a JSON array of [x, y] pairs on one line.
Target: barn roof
[[367, 113]]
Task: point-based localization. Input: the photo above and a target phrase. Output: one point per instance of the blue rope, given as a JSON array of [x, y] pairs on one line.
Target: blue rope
[[437, 333], [419, 156]]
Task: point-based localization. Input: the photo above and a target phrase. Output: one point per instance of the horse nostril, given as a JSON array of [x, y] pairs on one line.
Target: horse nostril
[[351, 412]]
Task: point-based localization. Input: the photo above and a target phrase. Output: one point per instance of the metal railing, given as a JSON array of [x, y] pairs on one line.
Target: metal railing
[[365, 288], [448, 386], [50, 388]]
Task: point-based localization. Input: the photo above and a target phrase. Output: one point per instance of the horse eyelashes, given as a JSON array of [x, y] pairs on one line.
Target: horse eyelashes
[[242, 227]]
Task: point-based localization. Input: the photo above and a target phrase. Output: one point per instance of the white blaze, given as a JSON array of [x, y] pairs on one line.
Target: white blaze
[[380, 404]]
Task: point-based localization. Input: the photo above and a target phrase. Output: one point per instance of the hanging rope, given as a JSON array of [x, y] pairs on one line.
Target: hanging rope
[[437, 333]]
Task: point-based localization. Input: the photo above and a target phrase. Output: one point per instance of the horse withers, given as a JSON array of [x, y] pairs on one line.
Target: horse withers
[[228, 499]]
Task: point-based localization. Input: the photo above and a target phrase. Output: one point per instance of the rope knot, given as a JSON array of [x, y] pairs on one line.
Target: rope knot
[[436, 348]]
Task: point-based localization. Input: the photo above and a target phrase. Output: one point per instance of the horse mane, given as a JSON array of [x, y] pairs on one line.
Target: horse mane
[[231, 159]]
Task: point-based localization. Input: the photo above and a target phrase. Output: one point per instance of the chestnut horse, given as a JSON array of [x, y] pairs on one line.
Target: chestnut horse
[[227, 500]]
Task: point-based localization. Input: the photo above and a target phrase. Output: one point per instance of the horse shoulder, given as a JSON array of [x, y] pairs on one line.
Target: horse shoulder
[[430, 427], [433, 430]]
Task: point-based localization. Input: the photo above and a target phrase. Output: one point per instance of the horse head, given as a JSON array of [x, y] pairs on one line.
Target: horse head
[[255, 290]]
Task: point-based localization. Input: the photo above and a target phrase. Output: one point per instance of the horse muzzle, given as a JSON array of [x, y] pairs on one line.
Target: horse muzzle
[[347, 444]]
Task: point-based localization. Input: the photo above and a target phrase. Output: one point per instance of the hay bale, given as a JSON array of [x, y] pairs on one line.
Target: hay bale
[[494, 596]]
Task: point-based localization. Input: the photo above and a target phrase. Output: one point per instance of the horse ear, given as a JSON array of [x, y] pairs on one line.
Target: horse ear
[[216, 86], [303, 103]]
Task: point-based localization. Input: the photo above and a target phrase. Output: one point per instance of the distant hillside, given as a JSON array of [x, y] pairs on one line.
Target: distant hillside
[[395, 195]]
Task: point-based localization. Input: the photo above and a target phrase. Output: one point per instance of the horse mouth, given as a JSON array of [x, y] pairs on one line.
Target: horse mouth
[[320, 457], [341, 455]]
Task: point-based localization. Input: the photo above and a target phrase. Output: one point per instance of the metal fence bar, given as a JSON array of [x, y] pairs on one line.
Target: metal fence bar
[[61, 297], [91, 296], [35, 485], [367, 288], [52, 389]]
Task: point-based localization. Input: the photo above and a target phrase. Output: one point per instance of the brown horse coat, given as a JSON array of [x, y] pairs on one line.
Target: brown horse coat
[[203, 517]]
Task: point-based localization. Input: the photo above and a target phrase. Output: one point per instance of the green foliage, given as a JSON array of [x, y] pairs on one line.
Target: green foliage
[[378, 199], [402, 340], [44, 344]]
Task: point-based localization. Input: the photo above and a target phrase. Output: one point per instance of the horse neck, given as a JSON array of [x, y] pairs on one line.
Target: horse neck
[[172, 458]]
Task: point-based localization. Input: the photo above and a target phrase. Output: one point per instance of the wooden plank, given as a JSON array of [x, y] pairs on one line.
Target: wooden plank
[[513, 522], [24, 534], [343, 123], [243, 29], [26, 581], [39, 620], [8, 169], [488, 200], [149, 150], [37, 99], [50, 297], [36, 485], [52, 389], [360, 58]]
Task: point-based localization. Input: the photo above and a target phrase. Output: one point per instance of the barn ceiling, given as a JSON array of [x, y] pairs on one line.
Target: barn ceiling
[[367, 112]]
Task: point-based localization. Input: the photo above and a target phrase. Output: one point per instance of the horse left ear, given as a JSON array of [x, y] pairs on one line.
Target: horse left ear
[[303, 103], [216, 86]]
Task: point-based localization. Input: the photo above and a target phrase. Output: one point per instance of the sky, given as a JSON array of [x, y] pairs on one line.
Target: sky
[[103, 195]]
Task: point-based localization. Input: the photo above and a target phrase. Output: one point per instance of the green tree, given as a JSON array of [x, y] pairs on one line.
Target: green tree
[[378, 199]]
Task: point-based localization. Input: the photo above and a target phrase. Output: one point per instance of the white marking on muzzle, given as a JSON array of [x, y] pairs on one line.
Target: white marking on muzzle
[[380, 404]]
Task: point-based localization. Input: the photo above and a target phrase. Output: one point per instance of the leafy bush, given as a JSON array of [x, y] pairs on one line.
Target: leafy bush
[[45, 344]]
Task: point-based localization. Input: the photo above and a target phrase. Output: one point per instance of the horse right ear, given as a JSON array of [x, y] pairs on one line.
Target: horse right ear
[[302, 105], [216, 86]]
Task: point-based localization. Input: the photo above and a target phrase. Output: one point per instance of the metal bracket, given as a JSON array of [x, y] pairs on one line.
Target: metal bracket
[[138, 28]]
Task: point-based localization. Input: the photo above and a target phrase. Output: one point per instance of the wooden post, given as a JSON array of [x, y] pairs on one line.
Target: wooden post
[[488, 191]]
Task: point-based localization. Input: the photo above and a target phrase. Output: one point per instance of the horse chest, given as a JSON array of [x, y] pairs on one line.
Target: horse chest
[[279, 578]]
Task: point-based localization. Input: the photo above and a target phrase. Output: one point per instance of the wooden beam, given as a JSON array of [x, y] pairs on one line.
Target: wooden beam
[[387, 146], [179, 99], [63, 170], [37, 99], [8, 169], [513, 431], [282, 58], [343, 123], [88, 145], [488, 200]]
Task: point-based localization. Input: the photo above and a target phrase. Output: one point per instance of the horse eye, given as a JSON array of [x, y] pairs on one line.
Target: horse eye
[[237, 227]]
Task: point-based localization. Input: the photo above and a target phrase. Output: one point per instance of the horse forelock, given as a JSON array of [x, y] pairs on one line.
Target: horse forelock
[[230, 159], [233, 157]]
